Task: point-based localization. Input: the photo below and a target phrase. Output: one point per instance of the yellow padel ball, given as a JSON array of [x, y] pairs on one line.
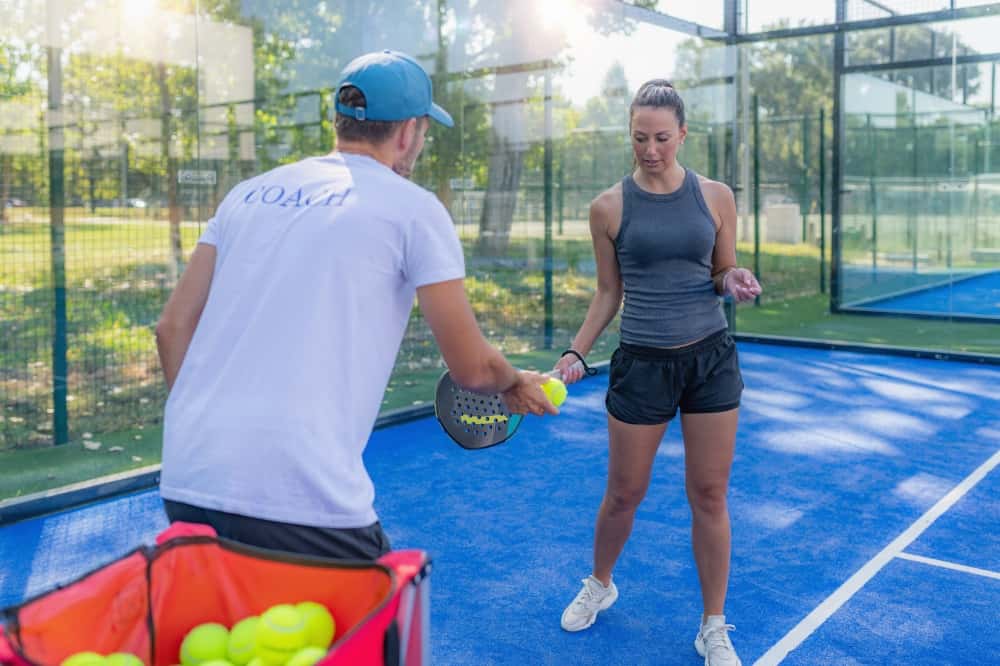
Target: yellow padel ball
[[281, 632], [555, 390], [320, 625], [123, 659], [307, 656], [241, 641], [204, 643], [84, 659]]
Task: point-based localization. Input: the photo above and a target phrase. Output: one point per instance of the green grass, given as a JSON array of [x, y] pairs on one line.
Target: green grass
[[33, 470]]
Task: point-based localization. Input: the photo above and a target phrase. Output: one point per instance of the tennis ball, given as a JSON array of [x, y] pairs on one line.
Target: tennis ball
[[555, 390], [216, 662], [84, 659], [241, 640], [204, 643], [281, 632], [307, 656], [320, 626], [123, 659]]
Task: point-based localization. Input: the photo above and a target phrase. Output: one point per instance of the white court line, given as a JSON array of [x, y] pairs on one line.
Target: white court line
[[949, 565], [842, 594]]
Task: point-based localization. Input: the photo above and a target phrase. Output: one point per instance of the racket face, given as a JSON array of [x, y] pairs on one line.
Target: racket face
[[473, 420]]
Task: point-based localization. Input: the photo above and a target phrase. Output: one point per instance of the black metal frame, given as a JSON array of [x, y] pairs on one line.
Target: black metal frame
[[730, 33], [923, 63], [914, 314], [841, 25]]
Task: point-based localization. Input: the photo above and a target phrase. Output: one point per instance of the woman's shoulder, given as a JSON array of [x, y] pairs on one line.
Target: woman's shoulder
[[609, 201], [606, 212], [714, 189]]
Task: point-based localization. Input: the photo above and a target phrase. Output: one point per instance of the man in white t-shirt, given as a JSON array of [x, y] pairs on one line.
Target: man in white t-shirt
[[278, 342]]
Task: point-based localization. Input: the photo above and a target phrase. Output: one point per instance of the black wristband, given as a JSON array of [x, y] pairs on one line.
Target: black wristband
[[586, 368]]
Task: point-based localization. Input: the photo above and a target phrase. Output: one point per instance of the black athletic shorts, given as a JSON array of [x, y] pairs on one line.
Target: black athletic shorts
[[351, 543], [646, 385]]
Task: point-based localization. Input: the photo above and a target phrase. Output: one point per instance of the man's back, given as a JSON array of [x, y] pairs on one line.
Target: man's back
[[316, 269]]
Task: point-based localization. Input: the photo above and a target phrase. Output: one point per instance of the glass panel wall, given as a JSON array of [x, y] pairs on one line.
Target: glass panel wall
[[100, 110], [708, 14], [917, 155], [919, 223], [124, 125], [764, 15]]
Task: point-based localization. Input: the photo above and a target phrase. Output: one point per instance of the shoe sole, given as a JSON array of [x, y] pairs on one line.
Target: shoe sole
[[699, 647], [606, 604]]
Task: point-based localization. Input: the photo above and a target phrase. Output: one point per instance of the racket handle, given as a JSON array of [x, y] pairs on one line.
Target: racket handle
[[558, 375]]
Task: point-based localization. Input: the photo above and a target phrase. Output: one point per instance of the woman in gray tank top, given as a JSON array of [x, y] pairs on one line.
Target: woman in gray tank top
[[665, 242]]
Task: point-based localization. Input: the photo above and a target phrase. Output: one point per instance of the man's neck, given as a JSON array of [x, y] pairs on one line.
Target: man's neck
[[377, 153]]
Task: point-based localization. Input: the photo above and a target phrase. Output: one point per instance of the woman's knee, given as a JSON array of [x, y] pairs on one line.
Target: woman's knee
[[623, 499], [708, 498]]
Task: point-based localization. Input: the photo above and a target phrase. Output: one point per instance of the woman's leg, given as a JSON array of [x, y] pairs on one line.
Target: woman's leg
[[632, 449], [709, 442]]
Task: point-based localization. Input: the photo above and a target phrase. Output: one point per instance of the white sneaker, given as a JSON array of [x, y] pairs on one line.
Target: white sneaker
[[712, 642], [591, 600]]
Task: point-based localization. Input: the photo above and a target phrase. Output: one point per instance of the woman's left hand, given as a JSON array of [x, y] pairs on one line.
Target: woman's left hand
[[741, 285]]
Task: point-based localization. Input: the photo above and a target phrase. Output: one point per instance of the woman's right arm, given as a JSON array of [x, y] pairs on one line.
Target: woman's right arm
[[604, 213]]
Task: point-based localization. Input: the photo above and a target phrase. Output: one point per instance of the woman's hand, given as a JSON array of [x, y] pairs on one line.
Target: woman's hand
[[570, 369], [741, 285]]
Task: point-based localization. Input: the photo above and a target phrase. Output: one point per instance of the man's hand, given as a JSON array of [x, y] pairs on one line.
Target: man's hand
[[527, 397], [741, 285]]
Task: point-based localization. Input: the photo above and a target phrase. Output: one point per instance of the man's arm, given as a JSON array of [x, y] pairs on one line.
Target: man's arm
[[180, 315], [472, 361]]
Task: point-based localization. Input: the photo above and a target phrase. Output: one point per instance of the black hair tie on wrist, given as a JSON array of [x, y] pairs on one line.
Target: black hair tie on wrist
[[586, 368]]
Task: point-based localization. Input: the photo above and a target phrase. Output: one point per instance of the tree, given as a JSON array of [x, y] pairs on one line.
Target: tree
[[17, 91], [521, 40]]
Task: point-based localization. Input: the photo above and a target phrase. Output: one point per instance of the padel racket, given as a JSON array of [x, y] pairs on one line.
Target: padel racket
[[473, 420]]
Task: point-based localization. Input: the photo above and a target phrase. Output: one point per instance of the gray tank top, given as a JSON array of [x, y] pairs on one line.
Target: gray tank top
[[664, 249]]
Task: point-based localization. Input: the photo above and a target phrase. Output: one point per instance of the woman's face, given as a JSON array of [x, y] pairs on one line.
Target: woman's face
[[656, 138]]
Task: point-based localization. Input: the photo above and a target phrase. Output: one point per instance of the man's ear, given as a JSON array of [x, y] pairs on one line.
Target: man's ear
[[407, 134]]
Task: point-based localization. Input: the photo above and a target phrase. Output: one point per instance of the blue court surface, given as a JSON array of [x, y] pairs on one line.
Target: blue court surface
[[864, 502], [975, 296]]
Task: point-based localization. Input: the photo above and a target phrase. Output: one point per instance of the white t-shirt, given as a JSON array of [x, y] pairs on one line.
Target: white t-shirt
[[316, 272]]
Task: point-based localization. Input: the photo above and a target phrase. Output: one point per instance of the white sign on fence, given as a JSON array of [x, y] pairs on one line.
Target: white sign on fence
[[196, 177], [462, 183]]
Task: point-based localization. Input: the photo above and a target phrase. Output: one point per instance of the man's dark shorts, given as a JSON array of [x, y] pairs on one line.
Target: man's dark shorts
[[647, 385], [352, 543]]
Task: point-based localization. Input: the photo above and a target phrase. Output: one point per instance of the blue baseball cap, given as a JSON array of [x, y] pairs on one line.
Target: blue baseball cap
[[395, 87]]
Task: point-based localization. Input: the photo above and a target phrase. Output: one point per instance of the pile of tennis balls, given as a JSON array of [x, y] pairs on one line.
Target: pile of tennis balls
[[94, 659], [283, 635]]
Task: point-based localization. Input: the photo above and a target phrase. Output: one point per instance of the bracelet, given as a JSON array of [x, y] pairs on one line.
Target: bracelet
[[586, 368], [725, 274]]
